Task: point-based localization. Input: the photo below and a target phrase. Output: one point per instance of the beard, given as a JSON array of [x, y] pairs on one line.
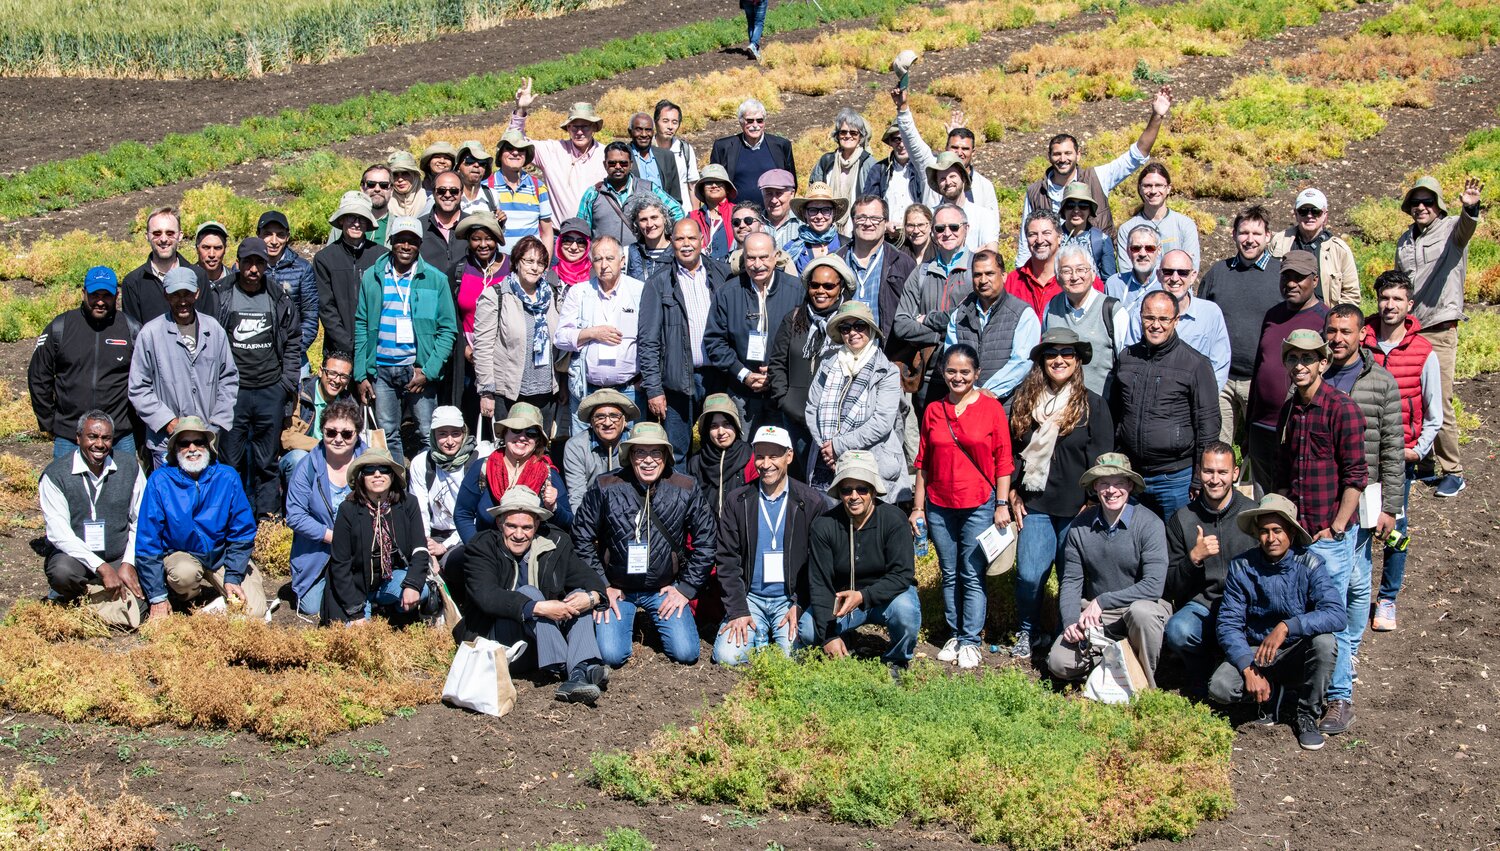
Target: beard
[[193, 467]]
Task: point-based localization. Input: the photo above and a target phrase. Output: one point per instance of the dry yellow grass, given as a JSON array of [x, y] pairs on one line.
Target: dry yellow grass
[[38, 818], [1369, 57], [1121, 47], [272, 552], [705, 98]]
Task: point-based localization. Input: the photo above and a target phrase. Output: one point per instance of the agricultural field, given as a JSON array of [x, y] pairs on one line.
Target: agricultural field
[[208, 735]]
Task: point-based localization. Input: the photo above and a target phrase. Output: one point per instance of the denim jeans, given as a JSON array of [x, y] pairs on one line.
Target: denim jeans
[[955, 535], [1167, 492], [1190, 635], [902, 617], [765, 626], [289, 462], [124, 443], [1037, 547], [388, 593], [311, 603], [755, 19], [679, 633], [391, 400], [682, 412], [1393, 572], [1340, 562]]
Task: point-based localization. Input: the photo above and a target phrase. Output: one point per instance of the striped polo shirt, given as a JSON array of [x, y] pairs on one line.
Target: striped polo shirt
[[395, 302], [525, 207]]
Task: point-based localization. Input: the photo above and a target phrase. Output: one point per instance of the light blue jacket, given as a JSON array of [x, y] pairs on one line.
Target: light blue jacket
[[310, 514]]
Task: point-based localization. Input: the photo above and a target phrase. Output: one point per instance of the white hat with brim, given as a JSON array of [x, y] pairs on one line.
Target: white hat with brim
[[519, 498], [191, 425], [447, 416], [774, 435], [410, 225], [354, 203], [859, 466], [583, 111]]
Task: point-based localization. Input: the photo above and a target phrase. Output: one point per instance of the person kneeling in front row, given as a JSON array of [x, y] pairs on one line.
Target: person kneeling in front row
[[1277, 621], [525, 584], [862, 564], [380, 560]]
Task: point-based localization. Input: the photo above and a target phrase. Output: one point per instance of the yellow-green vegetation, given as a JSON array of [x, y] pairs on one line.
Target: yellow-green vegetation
[[24, 316], [38, 818], [16, 417], [1478, 344], [1468, 422], [272, 552], [18, 480], [619, 839], [297, 685], [211, 38], [998, 755]]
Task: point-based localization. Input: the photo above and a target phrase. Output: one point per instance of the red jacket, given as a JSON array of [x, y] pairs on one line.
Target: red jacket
[[1405, 363]]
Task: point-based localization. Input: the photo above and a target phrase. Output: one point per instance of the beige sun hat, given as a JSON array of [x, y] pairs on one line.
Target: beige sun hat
[[192, 425], [524, 415], [1076, 191], [719, 403], [1111, 464], [608, 397], [715, 173], [945, 161], [1306, 340], [858, 465], [476, 149], [585, 111], [438, 149], [1273, 505], [519, 498], [484, 221], [1432, 185], [646, 434], [354, 203], [514, 138], [378, 458], [400, 161], [820, 192], [850, 312]]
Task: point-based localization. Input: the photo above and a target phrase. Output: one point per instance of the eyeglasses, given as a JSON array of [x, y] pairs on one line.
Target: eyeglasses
[[447, 192], [473, 160], [949, 228], [1311, 212], [528, 434], [1164, 272], [339, 433], [335, 376], [377, 184], [1076, 205], [1158, 320], [1143, 249], [857, 327], [869, 220], [847, 490], [607, 418], [745, 222], [573, 239], [380, 470], [818, 211], [1060, 352], [760, 120]]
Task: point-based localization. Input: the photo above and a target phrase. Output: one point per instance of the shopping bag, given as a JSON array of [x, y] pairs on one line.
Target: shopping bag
[[1118, 676], [483, 448], [479, 678], [374, 435]]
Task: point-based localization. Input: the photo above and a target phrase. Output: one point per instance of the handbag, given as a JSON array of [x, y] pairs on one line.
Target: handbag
[[1119, 675], [482, 447], [295, 435], [479, 678], [374, 435], [1003, 562]]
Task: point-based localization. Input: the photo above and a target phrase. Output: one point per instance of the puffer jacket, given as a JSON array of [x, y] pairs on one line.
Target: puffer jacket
[[490, 578], [1338, 273], [1437, 260], [1258, 595], [1165, 403], [1405, 363], [296, 278], [877, 430], [1379, 399], [606, 525]]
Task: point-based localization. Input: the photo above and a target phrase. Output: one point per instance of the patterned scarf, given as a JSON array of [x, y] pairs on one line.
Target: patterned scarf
[[818, 345], [533, 474], [807, 236], [1038, 453], [536, 306], [385, 535], [850, 380]]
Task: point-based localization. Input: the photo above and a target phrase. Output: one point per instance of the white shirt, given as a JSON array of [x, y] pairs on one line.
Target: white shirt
[[58, 518], [586, 306], [984, 226], [687, 168]]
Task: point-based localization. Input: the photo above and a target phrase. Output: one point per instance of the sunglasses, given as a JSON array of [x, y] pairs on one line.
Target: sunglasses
[[469, 160], [380, 470], [377, 184], [752, 121], [745, 222], [819, 211], [1060, 352], [446, 192], [849, 134], [950, 228], [848, 490], [341, 433], [1424, 201], [824, 285], [1309, 211], [193, 442], [1164, 272], [164, 233], [616, 164], [857, 327], [1075, 205], [573, 239], [528, 434], [1143, 249]]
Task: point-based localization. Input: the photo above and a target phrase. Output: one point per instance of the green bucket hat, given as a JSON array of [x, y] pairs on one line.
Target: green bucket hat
[[608, 397], [849, 312], [514, 138], [1429, 183], [1273, 505], [713, 172], [1076, 191], [520, 498], [719, 403], [475, 149], [1111, 464]]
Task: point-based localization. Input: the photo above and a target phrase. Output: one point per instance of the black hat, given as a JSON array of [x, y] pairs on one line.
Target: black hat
[[272, 217], [1061, 336]]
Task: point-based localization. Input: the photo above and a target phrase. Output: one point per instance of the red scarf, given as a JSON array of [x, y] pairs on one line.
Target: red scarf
[[533, 475]]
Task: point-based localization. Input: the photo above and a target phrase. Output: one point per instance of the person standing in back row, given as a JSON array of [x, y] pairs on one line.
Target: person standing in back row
[[753, 152], [1300, 308], [1244, 287], [143, 291]]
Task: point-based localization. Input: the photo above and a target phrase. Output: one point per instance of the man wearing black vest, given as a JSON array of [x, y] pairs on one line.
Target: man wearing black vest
[[1001, 327], [89, 500], [651, 163]]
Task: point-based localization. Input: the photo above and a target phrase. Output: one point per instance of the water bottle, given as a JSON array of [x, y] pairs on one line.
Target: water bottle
[[922, 545]]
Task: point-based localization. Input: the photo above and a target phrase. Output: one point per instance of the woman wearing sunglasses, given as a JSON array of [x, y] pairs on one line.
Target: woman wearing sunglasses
[[380, 562], [1058, 427], [854, 402], [570, 255], [519, 459], [963, 487], [474, 167], [314, 491], [716, 213], [846, 168], [802, 344]]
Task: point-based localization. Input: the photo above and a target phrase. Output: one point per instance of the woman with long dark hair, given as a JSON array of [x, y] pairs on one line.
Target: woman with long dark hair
[[801, 344], [380, 560]]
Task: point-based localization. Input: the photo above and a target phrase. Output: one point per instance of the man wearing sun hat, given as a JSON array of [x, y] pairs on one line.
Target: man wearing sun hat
[[571, 165], [590, 454], [525, 584], [861, 566], [949, 178], [1113, 573], [195, 529], [649, 533], [1276, 621], [521, 198], [338, 266]]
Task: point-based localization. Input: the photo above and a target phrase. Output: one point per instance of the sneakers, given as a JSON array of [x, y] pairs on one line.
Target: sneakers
[[1270, 710], [584, 686], [1308, 737], [755, 51], [968, 656], [1449, 486], [1385, 616], [1337, 718], [1022, 648], [949, 653]]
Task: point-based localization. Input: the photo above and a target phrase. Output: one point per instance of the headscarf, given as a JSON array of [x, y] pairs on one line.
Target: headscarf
[[535, 306], [456, 462], [572, 272], [720, 470]]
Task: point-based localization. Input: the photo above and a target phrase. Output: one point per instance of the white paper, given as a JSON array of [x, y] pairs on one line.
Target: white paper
[[539, 353], [405, 336], [995, 540], [639, 561], [93, 535], [773, 568], [757, 348], [1369, 506], [607, 355]]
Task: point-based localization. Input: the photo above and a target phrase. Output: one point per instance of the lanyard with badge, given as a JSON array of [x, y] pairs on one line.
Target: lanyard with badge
[[405, 335], [93, 528], [756, 349], [638, 561], [773, 561]]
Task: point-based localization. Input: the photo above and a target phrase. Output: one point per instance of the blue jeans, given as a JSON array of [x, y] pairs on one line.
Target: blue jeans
[[391, 399], [1341, 563], [955, 535], [388, 593], [679, 633], [1189, 634], [1037, 547], [289, 462], [902, 617], [682, 412], [1393, 574], [765, 626], [755, 19], [123, 443], [1167, 492], [311, 603]]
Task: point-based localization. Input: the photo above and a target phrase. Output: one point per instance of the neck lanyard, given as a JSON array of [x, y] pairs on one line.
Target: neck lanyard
[[403, 295], [864, 274], [94, 492], [775, 526], [643, 522], [761, 322]]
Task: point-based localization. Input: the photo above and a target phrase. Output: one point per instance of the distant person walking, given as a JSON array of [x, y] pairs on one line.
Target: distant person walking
[[755, 23]]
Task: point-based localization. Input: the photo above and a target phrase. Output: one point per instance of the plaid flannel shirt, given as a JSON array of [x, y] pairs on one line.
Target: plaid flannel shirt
[[1322, 453]]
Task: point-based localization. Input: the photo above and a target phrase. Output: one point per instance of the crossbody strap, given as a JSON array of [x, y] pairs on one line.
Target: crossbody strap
[[965, 450]]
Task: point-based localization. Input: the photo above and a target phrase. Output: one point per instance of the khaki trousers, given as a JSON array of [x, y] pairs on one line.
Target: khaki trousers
[[1445, 449], [187, 578]]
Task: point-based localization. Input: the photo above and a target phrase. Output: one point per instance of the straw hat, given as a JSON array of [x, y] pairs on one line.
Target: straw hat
[[1059, 336], [354, 203], [1111, 464], [514, 138], [858, 465], [945, 161], [1278, 506], [608, 397], [192, 425], [519, 498], [524, 415], [715, 172], [583, 110], [850, 312], [378, 458], [837, 264], [820, 192], [437, 149]]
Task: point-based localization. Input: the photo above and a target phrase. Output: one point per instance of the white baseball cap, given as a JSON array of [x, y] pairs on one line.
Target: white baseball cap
[[772, 435], [447, 416], [1310, 198]]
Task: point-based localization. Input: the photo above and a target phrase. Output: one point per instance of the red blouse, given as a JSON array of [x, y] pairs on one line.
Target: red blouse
[[952, 480]]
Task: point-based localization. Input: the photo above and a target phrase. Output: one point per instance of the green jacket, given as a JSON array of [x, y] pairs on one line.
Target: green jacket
[[434, 321]]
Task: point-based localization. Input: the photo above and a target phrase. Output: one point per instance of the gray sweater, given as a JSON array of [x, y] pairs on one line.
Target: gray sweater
[[1114, 567], [585, 460]]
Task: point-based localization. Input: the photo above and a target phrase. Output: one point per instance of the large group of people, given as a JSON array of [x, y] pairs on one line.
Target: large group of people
[[570, 390]]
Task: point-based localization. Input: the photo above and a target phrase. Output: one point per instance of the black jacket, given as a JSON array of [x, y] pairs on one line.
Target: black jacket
[[739, 532], [338, 268], [286, 326], [490, 578], [1072, 454], [79, 365], [352, 570], [666, 163], [443, 253], [1204, 583], [791, 374], [1165, 401], [142, 298], [726, 152], [605, 525], [664, 344], [896, 267], [884, 562], [735, 313]]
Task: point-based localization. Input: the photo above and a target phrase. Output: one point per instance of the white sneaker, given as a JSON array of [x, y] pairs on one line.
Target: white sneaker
[[949, 653], [968, 656]]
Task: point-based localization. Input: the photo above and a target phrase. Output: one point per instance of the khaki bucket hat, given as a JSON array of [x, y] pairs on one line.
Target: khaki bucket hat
[[583, 111], [1111, 464], [519, 498], [719, 403], [850, 312], [1429, 183], [715, 173], [515, 139], [945, 161], [646, 434], [354, 203], [438, 149], [378, 458], [1076, 191], [1274, 505], [484, 221], [192, 425], [475, 148], [400, 161], [1307, 340], [524, 415], [608, 397], [858, 465]]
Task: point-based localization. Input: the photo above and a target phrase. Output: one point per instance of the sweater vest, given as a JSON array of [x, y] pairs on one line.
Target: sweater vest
[[1405, 363], [995, 340], [112, 506], [1094, 328], [1102, 219]]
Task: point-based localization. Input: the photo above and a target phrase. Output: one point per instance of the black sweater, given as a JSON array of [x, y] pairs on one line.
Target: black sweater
[[491, 579], [1072, 454], [884, 562], [337, 269], [353, 571], [1204, 583], [1165, 402]]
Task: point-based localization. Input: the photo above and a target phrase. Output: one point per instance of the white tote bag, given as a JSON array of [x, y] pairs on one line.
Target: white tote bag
[[479, 678], [1118, 676]]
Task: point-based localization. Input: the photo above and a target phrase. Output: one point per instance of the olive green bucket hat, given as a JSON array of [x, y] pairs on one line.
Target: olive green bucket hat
[[719, 403], [1111, 464]]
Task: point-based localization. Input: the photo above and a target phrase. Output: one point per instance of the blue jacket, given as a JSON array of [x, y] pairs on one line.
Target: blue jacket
[[208, 517], [474, 499], [1259, 595], [295, 276], [310, 514]]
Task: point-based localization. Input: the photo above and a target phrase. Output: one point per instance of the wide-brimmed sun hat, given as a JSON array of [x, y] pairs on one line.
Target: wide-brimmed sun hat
[[945, 161], [1278, 506], [858, 465], [354, 203], [819, 192], [520, 498], [1111, 464], [192, 425], [378, 458], [607, 398], [715, 173], [850, 312], [1059, 336]]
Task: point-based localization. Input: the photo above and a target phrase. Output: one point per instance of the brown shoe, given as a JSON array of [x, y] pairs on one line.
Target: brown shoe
[[1337, 718]]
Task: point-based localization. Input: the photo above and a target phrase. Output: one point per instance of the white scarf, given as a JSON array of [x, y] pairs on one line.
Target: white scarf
[[850, 362], [1038, 452]]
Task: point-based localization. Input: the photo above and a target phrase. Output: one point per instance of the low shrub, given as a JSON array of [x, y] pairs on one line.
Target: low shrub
[[619, 839], [998, 755], [272, 552], [39, 818]]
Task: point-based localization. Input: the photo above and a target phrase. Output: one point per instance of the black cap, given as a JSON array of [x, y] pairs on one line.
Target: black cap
[[253, 246], [272, 217]]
